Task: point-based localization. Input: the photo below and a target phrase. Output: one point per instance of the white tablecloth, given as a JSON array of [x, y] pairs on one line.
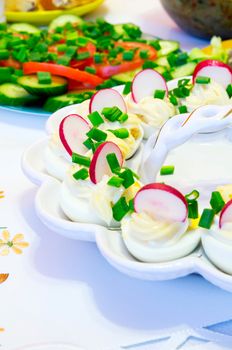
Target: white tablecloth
[[63, 290]]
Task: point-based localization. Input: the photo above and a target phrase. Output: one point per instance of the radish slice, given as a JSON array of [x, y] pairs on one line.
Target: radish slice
[[145, 83], [226, 214], [99, 165], [161, 201], [72, 131], [218, 71], [106, 98]]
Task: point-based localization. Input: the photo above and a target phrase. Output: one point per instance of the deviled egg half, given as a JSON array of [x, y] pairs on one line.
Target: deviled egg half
[[158, 230], [98, 190], [107, 120], [217, 240]]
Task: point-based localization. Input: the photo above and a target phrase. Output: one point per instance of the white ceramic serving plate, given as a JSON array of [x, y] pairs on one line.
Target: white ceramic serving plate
[[207, 168]]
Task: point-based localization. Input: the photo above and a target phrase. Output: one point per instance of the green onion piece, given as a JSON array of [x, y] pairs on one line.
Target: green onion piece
[[229, 90], [183, 109], [183, 82], [192, 196], [91, 70], [167, 170], [72, 38], [62, 47], [149, 64], [123, 117], [127, 88], [5, 74], [113, 162], [143, 54], [96, 145], [95, 119], [132, 30], [128, 178], [44, 78], [4, 54], [203, 80], [216, 201], [81, 174], [115, 181], [83, 55], [193, 209], [97, 135], [121, 133], [81, 160], [160, 94], [112, 113], [120, 209], [128, 55], [71, 51], [173, 100], [155, 44], [82, 41], [88, 143], [64, 60], [206, 219], [98, 58]]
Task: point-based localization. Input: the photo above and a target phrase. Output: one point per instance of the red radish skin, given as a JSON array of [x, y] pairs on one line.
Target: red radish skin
[[99, 165], [219, 71], [106, 98], [161, 201], [72, 132], [145, 83], [226, 214]]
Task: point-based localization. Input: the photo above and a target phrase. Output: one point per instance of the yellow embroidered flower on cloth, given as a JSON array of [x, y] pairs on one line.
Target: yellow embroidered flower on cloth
[[16, 244]]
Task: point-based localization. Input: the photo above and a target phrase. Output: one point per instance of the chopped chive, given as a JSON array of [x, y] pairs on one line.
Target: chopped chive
[[115, 181], [160, 94], [44, 77], [192, 196], [121, 133], [127, 88], [155, 44], [167, 170], [128, 178], [81, 174], [62, 47], [206, 219], [149, 64], [113, 162], [72, 38], [216, 201], [97, 135], [128, 55], [83, 55], [112, 113], [81, 160], [143, 54], [4, 54], [88, 143], [95, 118], [203, 80], [131, 205], [183, 109], [96, 145], [229, 90], [70, 51], [183, 82], [120, 209], [82, 41], [5, 74], [173, 100], [91, 70], [64, 60], [193, 209], [123, 117]]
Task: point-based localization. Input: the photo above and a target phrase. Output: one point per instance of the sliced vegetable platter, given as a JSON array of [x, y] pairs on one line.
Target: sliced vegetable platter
[[66, 62]]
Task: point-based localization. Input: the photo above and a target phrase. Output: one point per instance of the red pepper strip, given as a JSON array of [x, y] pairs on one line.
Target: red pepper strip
[[10, 62], [75, 85], [106, 71], [63, 71]]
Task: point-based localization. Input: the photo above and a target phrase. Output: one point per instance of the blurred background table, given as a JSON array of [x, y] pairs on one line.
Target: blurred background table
[[63, 290]]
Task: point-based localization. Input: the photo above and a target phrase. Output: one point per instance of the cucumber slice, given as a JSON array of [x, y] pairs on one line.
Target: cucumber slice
[[125, 77], [54, 103], [182, 71], [15, 95], [30, 82], [24, 28], [61, 21], [162, 61], [167, 47]]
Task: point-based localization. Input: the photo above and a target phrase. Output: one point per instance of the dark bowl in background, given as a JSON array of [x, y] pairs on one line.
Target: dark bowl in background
[[202, 18]]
